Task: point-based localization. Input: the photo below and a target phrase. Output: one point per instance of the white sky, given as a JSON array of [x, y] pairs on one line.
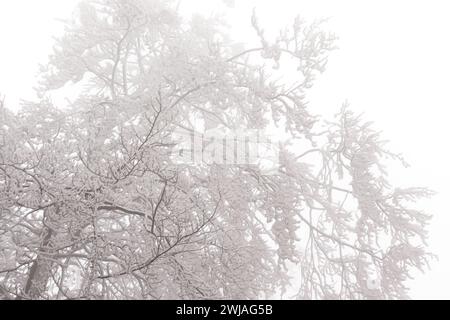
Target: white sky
[[393, 64]]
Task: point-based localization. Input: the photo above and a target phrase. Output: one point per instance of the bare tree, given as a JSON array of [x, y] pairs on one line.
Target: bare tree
[[94, 207]]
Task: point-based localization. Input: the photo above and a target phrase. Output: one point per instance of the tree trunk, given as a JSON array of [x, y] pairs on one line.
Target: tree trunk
[[39, 273]]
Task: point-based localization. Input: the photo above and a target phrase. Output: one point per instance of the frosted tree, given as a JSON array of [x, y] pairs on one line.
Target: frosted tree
[[94, 207]]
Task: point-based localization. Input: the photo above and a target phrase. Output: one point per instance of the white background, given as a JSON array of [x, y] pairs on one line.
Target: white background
[[393, 64]]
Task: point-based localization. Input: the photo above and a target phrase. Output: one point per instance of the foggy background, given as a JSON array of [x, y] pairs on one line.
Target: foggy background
[[393, 64]]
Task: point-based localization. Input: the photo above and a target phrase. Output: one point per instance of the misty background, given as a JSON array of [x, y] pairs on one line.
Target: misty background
[[392, 65]]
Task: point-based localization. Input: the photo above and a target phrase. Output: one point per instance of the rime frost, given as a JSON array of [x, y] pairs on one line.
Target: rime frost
[[93, 207]]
